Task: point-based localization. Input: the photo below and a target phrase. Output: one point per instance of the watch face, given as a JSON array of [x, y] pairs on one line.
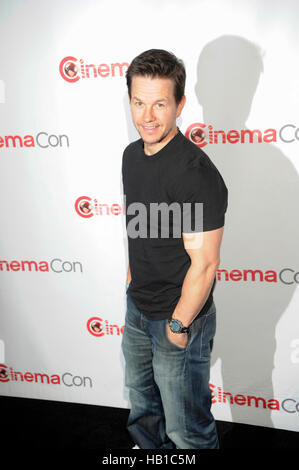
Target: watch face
[[175, 325]]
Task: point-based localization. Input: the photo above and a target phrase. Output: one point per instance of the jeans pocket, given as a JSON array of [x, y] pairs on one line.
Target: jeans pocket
[[203, 330], [171, 342]]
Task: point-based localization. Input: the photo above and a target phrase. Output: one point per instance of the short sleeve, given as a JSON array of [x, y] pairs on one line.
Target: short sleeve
[[203, 197]]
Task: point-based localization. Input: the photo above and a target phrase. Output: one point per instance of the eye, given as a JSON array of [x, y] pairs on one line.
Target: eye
[[160, 105], [138, 104]]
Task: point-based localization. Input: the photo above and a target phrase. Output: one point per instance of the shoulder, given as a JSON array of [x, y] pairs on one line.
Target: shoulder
[[193, 156], [192, 162], [133, 147], [194, 175], [130, 152]]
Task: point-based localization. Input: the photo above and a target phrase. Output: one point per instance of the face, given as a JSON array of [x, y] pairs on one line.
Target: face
[[154, 111]]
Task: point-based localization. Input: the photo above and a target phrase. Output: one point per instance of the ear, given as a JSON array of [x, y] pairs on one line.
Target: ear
[[180, 106]]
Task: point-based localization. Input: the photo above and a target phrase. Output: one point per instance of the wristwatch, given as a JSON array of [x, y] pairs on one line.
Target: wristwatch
[[177, 327]]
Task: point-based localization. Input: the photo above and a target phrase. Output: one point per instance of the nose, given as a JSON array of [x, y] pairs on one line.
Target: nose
[[148, 114]]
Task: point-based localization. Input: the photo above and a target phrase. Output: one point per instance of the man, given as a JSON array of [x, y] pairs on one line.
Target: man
[[171, 317]]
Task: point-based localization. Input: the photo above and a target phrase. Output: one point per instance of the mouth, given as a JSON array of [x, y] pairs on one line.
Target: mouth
[[149, 129]]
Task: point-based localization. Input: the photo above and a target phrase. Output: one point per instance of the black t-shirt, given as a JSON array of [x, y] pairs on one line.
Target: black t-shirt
[[178, 173]]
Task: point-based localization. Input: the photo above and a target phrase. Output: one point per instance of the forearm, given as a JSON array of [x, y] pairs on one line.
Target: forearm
[[129, 278], [195, 292]]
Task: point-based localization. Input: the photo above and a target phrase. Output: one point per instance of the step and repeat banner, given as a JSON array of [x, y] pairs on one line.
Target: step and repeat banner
[[65, 121]]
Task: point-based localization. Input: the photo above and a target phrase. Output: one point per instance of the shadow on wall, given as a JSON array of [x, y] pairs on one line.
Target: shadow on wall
[[262, 227]]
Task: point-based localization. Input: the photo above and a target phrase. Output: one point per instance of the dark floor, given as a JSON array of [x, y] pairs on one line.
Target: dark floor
[[42, 424]]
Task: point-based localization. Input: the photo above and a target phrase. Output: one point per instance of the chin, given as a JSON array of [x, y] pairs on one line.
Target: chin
[[148, 140], [153, 139]]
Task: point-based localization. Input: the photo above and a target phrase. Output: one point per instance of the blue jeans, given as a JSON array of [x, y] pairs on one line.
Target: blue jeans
[[169, 385]]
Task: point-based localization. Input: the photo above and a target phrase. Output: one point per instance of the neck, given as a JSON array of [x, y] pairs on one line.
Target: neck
[[151, 149]]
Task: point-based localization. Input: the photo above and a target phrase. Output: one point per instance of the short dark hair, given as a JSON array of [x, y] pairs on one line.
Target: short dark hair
[[162, 64]]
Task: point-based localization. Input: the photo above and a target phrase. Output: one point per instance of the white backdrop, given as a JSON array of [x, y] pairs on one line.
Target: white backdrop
[[63, 241]]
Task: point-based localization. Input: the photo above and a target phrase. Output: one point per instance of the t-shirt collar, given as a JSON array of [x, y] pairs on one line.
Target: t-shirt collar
[[164, 149]]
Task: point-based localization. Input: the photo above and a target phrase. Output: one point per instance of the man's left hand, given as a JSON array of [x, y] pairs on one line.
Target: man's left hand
[[180, 339]]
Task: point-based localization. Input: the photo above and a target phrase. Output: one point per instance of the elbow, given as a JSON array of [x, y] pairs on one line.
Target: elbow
[[216, 263], [207, 267], [213, 266]]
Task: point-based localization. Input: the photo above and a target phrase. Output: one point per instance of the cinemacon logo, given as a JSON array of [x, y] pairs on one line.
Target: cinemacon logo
[[56, 265], [98, 327], [42, 139], [287, 276], [8, 374], [87, 207], [289, 405], [201, 135], [72, 69]]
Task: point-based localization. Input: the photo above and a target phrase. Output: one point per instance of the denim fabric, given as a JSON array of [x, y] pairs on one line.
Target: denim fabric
[[169, 385]]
